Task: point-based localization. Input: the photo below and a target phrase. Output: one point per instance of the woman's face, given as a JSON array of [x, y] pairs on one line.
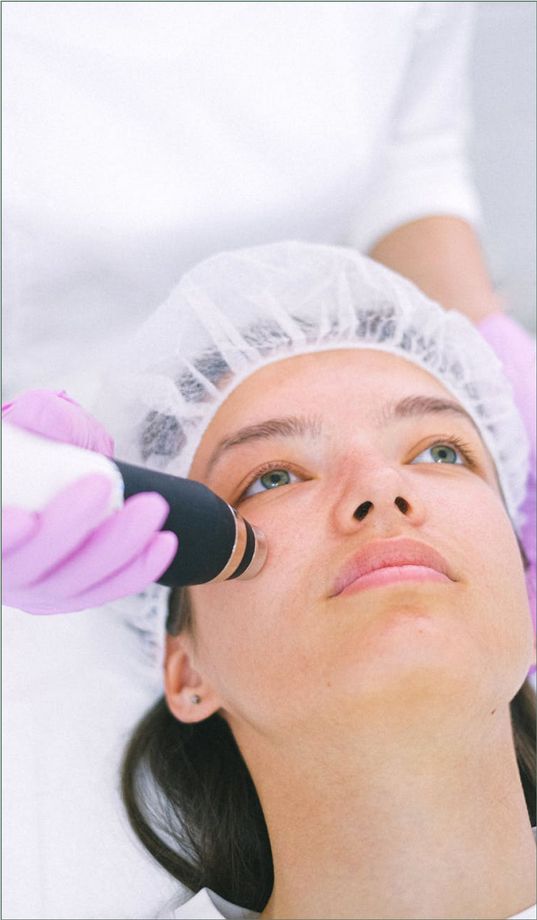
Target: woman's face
[[281, 651]]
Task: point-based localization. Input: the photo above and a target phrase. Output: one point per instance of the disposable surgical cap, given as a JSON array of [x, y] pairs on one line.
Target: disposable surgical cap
[[241, 310]]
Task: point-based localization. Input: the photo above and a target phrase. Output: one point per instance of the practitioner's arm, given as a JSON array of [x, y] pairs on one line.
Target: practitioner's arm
[[421, 204], [443, 256]]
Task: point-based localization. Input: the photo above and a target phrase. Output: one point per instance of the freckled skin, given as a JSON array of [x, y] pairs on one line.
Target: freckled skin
[[280, 632], [375, 726]]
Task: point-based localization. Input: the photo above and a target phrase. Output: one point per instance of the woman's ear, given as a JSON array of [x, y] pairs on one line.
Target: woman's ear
[[189, 696]]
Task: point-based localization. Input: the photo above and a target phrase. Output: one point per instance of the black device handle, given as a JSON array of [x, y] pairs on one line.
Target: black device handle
[[204, 524]]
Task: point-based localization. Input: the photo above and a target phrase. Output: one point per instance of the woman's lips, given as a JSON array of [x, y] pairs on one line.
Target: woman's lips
[[391, 574], [384, 562]]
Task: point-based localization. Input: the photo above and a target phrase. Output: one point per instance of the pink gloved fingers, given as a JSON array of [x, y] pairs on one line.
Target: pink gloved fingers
[[58, 417], [138, 574], [18, 526], [65, 523], [111, 547], [146, 568]]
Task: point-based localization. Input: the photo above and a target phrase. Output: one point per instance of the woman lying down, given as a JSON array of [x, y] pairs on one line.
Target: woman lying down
[[349, 734]]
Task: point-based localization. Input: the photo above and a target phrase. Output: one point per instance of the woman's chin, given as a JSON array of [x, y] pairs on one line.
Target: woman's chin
[[407, 654]]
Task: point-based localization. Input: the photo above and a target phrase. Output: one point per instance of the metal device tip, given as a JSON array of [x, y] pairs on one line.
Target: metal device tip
[[259, 556]]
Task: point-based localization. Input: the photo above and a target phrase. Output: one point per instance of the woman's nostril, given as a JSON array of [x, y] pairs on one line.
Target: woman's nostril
[[362, 510]]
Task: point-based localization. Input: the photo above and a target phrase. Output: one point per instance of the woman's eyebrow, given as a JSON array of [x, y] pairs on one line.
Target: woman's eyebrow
[[288, 427], [301, 426]]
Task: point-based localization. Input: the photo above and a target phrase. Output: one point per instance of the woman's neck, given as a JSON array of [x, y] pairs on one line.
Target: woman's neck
[[403, 824]]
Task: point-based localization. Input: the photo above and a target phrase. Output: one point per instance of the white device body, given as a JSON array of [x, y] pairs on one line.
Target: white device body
[[35, 469]]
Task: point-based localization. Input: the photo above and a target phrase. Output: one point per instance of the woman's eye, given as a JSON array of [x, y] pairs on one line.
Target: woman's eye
[[442, 453], [271, 479]]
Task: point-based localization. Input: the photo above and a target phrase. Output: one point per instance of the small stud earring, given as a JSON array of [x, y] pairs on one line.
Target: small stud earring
[[195, 698]]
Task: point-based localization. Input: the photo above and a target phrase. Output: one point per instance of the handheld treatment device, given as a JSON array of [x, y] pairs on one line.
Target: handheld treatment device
[[215, 542]]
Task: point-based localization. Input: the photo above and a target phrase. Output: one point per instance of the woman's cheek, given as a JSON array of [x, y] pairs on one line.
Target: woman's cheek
[[486, 518], [241, 623], [288, 523], [496, 596]]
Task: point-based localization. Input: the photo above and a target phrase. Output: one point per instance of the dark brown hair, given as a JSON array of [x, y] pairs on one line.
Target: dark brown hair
[[192, 802]]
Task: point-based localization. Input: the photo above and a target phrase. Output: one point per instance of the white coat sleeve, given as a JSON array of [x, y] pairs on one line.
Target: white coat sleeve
[[422, 166]]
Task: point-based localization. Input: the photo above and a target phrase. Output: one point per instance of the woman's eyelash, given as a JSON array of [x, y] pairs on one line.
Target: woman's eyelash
[[267, 468], [453, 441]]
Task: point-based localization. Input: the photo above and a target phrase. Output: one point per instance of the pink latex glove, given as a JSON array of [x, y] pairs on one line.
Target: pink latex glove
[[76, 553], [58, 417]]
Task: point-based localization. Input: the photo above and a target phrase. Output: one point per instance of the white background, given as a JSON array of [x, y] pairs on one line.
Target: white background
[[503, 147]]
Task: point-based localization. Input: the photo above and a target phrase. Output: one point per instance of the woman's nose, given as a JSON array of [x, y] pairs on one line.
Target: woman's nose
[[385, 498]]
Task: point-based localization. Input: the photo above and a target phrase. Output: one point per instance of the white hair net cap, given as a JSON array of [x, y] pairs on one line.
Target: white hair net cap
[[241, 310]]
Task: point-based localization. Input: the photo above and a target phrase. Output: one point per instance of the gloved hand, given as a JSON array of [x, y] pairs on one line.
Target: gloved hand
[[58, 417], [76, 553]]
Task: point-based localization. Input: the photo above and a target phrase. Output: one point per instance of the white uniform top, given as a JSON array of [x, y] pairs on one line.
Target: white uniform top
[[140, 138]]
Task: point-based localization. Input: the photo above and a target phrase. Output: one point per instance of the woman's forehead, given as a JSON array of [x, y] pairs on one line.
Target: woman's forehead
[[326, 380], [328, 385]]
